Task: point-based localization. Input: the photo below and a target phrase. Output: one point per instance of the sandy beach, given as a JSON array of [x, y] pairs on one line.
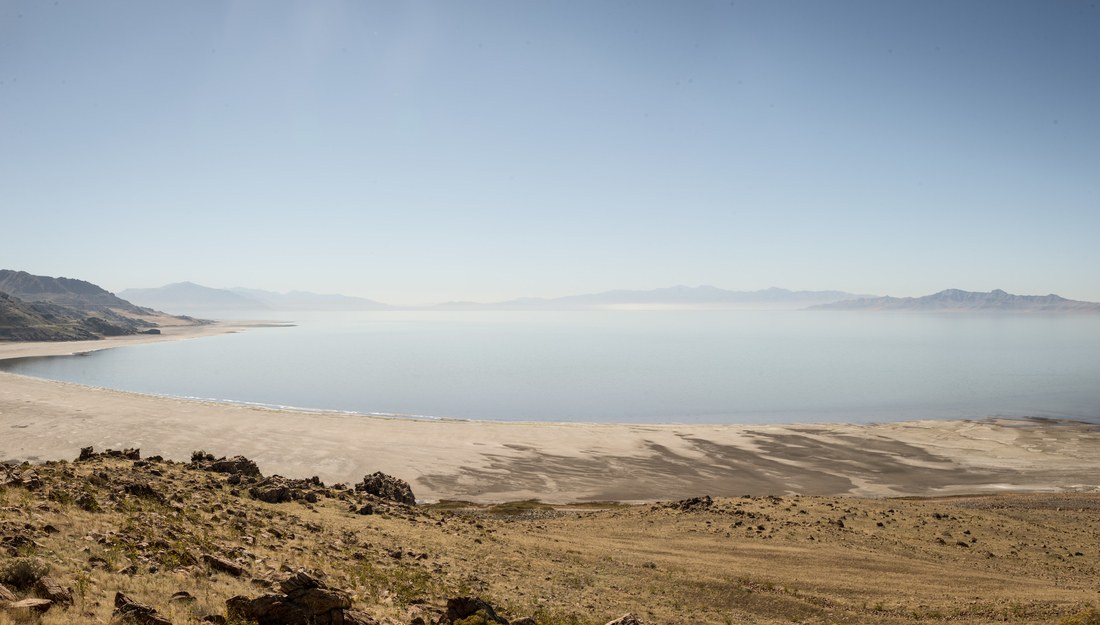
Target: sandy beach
[[557, 462]]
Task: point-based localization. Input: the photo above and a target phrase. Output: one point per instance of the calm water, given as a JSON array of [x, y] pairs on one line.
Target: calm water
[[628, 366]]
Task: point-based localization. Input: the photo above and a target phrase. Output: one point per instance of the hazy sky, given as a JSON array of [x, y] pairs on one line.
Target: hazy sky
[[419, 152]]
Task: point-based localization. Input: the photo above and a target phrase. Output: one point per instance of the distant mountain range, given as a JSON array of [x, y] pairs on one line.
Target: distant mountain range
[[41, 308], [669, 297], [191, 298], [955, 300], [44, 308]]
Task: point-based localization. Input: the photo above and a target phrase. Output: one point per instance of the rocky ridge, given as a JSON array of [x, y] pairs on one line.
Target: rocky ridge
[[42, 308]]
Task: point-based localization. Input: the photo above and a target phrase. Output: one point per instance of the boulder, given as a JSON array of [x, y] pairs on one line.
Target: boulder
[[279, 489], [305, 600], [237, 465], [129, 611], [143, 490], [459, 608], [30, 605], [222, 565], [387, 487], [49, 588]]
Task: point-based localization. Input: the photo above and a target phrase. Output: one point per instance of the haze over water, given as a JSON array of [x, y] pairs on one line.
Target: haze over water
[[629, 366]]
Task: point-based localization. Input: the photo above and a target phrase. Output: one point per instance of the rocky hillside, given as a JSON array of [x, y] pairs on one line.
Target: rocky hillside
[[41, 308], [955, 300], [113, 537], [69, 292], [24, 321]]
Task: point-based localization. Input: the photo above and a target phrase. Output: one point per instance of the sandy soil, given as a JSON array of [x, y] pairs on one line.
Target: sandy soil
[[493, 461]]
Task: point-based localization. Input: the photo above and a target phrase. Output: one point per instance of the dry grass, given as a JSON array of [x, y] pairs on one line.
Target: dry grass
[[1015, 559]]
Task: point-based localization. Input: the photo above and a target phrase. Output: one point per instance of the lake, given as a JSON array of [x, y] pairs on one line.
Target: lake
[[709, 366]]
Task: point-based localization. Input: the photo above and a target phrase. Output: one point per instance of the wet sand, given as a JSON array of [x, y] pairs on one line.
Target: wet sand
[[557, 462]]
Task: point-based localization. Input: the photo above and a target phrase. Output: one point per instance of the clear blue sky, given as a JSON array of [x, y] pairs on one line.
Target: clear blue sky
[[419, 152]]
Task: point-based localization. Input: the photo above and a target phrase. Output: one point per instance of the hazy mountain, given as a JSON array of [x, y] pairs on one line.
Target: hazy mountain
[[955, 300], [42, 308], [188, 297], [194, 298], [669, 297], [304, 300]]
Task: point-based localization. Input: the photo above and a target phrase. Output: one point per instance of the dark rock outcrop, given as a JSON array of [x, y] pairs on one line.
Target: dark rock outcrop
[[461, 608], [129, 611], [694, 504], [387, 487], [305, 600], [237, 465], [279, 489], [89, 453]]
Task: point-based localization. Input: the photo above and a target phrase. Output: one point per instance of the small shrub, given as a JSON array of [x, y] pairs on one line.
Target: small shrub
[[23, 572]]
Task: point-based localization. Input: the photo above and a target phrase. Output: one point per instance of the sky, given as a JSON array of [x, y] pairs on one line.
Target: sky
[[418, 152]]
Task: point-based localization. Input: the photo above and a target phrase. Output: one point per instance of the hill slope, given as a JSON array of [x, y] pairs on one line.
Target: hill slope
[[70, 292], [24, 321], [195, 541]]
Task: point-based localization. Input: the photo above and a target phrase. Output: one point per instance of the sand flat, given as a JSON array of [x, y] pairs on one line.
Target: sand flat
[[497, 461]]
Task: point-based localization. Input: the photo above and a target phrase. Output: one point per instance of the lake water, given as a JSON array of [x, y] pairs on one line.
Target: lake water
[[628, 366]]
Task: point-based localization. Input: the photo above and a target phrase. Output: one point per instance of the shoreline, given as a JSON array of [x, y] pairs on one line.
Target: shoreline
[[494, 461], [10, 350]]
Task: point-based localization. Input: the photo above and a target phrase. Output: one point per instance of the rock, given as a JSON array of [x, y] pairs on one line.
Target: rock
[[222, 565], [694, 504], [314, 601], [50, 588], [129, 611], [182, 597], [305, 600], [300, 581], [6, 594], [271, 493], [238, 465], [88, 453], [30, 605], [626, 619], [387, 487], [459, 608], [143, 491], [355, 617], [278, 489]]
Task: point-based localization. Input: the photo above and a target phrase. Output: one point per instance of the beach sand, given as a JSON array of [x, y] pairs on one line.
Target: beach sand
[[556, 462]]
